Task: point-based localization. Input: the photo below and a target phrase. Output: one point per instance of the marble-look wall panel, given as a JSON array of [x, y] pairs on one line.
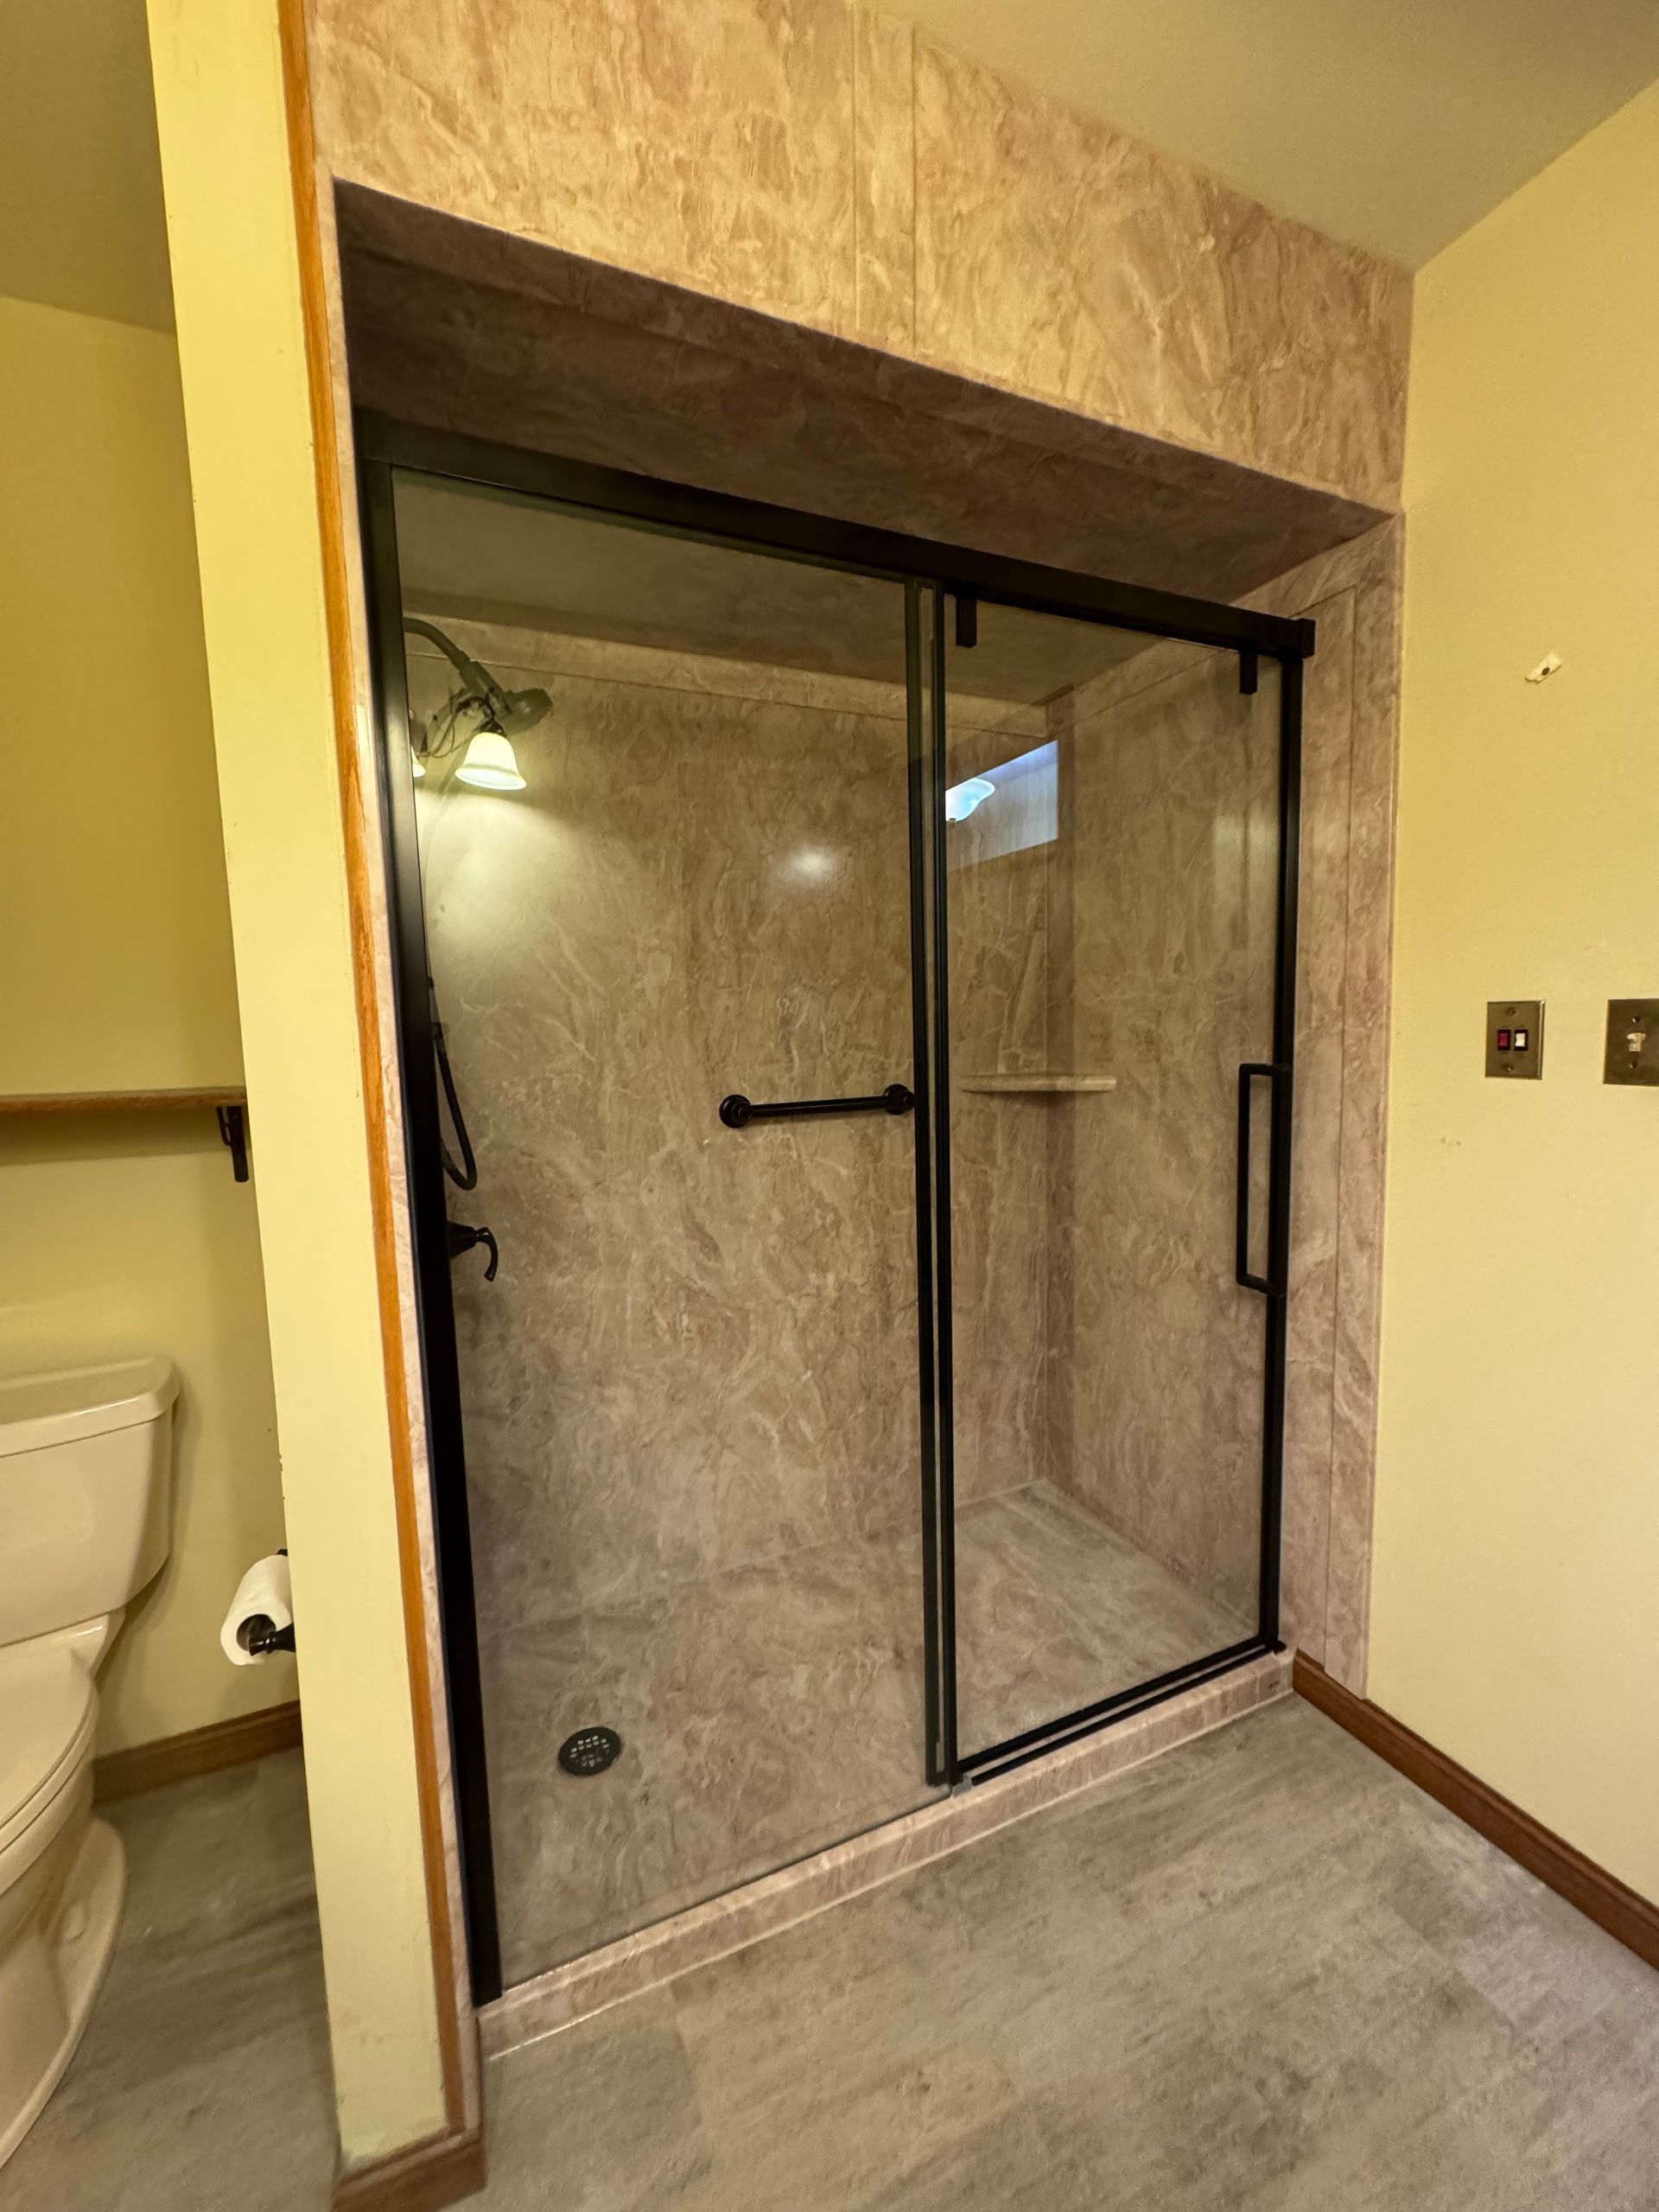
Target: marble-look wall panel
[[1058, 255], [700, 1349], [1327, 741], [707, 141], [884, 210], [1358, 585], [812, 160]]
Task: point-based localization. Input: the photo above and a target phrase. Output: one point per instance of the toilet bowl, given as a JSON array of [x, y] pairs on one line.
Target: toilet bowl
[[84, 1460]]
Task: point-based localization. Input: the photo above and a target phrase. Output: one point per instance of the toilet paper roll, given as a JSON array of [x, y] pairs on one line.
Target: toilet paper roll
[[264, 1589]]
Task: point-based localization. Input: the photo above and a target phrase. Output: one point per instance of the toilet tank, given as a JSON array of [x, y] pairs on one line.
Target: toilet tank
[[84, 1457]]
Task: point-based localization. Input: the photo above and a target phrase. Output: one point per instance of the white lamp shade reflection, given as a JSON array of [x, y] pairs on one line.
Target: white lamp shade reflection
[[490, 763]]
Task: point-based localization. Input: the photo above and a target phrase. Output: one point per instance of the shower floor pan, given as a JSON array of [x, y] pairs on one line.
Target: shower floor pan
[[774, 1710]]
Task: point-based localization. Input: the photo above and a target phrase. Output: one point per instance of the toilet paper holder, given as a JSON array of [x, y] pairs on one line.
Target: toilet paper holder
[[259, 1634]]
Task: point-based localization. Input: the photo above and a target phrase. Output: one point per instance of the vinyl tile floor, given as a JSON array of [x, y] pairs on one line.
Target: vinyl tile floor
[[1261, 1974], [203, 2078], [777, 1708]]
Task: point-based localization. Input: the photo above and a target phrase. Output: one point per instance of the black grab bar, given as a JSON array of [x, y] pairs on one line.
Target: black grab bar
[[737, 1111]]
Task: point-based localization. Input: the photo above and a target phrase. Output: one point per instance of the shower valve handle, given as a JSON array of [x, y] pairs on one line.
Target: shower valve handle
[[465, 1239]]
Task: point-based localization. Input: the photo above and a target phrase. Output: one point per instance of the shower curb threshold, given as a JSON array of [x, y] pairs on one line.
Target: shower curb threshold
[[765, 1907]]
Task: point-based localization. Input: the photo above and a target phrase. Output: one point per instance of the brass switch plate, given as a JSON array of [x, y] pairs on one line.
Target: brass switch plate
[[1632, 1041], [1515, 1038]]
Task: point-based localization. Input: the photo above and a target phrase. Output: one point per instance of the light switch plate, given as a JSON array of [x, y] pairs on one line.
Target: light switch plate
[[1509, 1020], [1632, 1041]]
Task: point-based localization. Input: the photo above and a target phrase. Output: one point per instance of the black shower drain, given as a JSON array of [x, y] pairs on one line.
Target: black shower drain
[[590, 1750]]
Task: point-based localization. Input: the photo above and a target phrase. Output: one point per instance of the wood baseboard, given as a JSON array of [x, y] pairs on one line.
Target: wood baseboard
[[1600, 1896], [424, 2179], [199, 1750]]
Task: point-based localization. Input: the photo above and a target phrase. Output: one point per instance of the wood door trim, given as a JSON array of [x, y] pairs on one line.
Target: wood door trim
[[425, 1693], [423, 2178]]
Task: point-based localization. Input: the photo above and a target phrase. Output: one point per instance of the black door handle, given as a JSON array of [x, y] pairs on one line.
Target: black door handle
[[737, 1111], [1248, 1073]]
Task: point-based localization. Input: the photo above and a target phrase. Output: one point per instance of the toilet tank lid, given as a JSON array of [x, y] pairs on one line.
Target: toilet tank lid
[[36, 1410]]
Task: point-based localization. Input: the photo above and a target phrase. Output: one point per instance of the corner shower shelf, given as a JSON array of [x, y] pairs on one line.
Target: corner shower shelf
[[229, 1103], [1036, 1085]]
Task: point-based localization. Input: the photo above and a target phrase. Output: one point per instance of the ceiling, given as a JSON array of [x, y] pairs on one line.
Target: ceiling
[[1393, 124]]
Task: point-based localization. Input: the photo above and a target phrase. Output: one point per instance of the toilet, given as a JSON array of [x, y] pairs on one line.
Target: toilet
[[83, 1463]]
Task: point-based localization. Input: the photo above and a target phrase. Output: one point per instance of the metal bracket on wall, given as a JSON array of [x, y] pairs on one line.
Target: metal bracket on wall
[[233, 1131]]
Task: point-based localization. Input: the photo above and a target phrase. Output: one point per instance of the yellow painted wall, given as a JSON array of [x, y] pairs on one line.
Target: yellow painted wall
[[120, 1235], [1516, 1598], [231, 228], [115, 933]]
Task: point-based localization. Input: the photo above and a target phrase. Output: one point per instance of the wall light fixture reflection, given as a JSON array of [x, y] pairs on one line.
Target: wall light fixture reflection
[[962, 798], [490, 763], [812, 864]]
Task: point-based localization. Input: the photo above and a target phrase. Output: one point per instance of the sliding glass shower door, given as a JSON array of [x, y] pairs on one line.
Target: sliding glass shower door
[[672, 966], [845, 1017], [1112, 949]]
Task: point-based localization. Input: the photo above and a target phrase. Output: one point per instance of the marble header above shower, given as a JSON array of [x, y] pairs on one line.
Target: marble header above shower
[[902, 196]]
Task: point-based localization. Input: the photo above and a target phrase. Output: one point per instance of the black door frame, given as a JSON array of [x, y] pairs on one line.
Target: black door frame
[[931, 574]]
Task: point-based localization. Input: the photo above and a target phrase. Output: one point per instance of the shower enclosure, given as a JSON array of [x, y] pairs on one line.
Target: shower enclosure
[[857, 973]]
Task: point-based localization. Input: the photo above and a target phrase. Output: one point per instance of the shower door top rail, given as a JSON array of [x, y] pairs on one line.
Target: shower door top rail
[[619, 495]]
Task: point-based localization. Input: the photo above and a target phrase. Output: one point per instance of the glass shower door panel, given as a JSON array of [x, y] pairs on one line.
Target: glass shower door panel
[[1111, 877], [690, 1394]]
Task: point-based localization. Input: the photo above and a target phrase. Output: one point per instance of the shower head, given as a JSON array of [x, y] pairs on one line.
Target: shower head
[[518, 711]]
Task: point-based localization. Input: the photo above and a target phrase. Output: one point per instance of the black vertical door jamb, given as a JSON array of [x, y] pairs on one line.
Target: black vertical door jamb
[[927, 1376], [944, 1329], [441, 1373]]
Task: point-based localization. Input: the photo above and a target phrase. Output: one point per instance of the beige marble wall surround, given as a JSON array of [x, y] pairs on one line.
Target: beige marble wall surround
[[1057, 257], [709, 141], [1351, 738], [814, 160]]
